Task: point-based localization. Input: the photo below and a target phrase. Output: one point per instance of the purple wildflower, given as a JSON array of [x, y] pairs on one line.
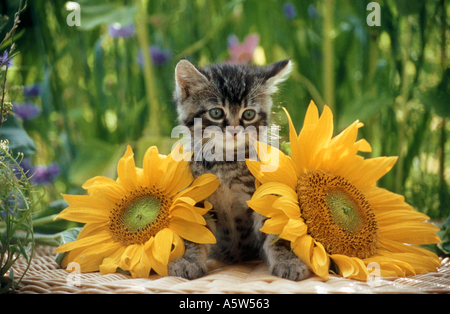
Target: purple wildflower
[[289, 10], [116, 30], [53, 170], [9, 205], [232, 41], [45, 175], [27, 110], [32, 90], [159, 56], [6, 60], [27, 168]]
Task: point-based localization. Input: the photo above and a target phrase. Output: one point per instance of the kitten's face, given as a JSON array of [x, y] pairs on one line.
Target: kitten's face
[[232, 101]]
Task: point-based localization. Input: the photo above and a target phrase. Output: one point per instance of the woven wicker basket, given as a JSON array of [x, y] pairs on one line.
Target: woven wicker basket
[[44, 276]]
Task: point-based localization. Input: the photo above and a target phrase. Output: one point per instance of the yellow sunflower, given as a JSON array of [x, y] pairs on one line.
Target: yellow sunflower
[[138, 222], [324, 200]]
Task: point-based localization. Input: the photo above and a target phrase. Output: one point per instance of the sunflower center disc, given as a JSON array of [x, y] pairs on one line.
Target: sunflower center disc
[[337, 214], [343, 210], [141, 212], [139, 216]]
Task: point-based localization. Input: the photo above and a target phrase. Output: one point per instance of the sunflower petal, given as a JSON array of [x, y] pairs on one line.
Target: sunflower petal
[[363, 146], [177, 175], [320, 260], [162, 245], [280, 169], [191, 231], [86, 201], [130, 258], [303, 248], [396, 247], [275, 225], [143, 266], [291, 209], [90, 258], [99, 238], [201, 188], [160, 268], [413, 263], [178, 248], [263, 205], [207, 206], [186, 213], [373, 169], [126, 170], [90, 229], [151, 166], [312, 115], [390, 266], [112, 189], [350, 267], [294, 228], [294, 144], [83, 215], [424, 233], [112, 262], [276, 188]]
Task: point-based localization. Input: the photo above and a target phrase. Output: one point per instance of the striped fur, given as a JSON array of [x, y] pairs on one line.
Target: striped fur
[[233, 89]]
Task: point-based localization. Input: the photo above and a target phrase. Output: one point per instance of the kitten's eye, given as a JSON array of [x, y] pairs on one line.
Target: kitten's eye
[[249, 114], [216, 113]]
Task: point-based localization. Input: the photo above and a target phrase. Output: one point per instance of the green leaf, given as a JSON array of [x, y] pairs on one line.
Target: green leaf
[[94, 14], [67, 236], [95, 158], [363, 108], [48, 105], [11, 274], [286, 148], [19, 141], [438, 99], [444, 246], [447, 222], [407, 7]]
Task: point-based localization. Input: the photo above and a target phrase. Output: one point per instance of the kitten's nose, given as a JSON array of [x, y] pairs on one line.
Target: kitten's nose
[[234, 130]]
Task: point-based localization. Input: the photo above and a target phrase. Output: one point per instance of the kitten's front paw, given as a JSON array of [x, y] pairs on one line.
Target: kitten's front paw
[[292, 268], [187, 269]]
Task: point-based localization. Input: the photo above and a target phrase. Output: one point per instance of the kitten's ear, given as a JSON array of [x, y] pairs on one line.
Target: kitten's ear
[[188, 79], [277, 73]]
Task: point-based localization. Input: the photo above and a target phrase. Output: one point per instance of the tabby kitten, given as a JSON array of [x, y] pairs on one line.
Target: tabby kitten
[[232, 98]]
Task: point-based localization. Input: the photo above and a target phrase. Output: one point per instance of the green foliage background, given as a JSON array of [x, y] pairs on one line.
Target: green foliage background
[[96, 99]]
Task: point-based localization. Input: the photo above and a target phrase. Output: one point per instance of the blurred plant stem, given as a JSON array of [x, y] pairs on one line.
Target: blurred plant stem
[[150, 86], [443, 139], [39, 239], [203, 41], [315, 94], [401, 101], [11, 50], [328, 54], [3, 97]]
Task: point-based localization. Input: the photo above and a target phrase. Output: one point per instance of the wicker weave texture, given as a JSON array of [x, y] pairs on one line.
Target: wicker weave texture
[[44, 276]]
